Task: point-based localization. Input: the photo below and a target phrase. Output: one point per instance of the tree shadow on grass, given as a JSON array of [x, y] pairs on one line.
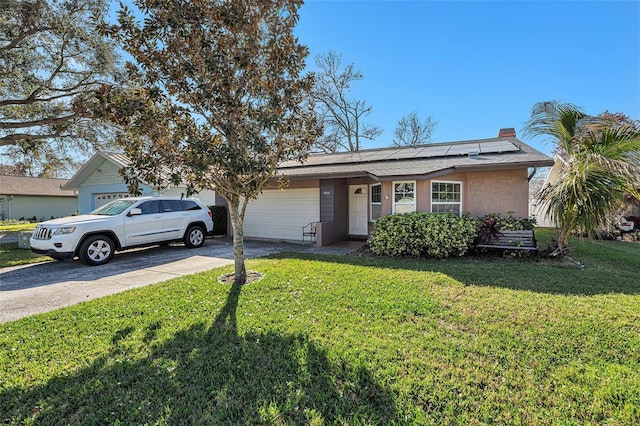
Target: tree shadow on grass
[[545, 276], [208, 374]]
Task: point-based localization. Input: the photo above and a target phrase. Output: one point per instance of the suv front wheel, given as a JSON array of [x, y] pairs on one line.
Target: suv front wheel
[[194, 237], [96, 250]]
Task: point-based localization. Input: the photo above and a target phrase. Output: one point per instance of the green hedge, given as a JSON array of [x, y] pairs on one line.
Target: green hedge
[[219, 216], [422, 234]]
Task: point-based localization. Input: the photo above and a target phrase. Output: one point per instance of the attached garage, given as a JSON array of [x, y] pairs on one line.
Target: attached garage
[[280, 214], [100, 200]]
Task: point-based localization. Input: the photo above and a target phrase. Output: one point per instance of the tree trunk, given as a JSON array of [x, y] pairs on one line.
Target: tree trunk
[[238, 242], [563, 234]]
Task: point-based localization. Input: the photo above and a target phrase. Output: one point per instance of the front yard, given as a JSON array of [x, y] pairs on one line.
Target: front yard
[[10, 254], [347, 340]]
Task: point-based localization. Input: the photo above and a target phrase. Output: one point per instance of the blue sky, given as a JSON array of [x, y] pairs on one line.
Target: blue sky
[[477, 66]]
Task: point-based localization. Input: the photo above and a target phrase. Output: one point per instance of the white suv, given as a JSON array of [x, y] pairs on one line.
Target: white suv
[[123, 224]]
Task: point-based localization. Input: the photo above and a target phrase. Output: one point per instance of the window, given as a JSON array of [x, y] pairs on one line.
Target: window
[[149, 207], [376, 201], [113, 208], [170, 206], [404, 197], [189, 205], [446, 197]]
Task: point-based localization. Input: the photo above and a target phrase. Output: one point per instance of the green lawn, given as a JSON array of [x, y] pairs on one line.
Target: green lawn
[[18, 227], [10, 254], [344, 340]]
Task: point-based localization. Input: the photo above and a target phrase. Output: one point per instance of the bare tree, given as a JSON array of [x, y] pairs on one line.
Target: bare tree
[[342, 117], [410, 131]]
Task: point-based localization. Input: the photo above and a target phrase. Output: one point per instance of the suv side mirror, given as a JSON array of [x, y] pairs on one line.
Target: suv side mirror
[[135, 212]]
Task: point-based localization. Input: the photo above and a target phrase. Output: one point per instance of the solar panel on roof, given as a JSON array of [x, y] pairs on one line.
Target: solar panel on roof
[[435, 151], [497, 146], [462, 149], [424, 151], [387, 154]]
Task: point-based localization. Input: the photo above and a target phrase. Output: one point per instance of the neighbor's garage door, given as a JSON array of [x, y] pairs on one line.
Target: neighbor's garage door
[[100, 200], [281, 214]]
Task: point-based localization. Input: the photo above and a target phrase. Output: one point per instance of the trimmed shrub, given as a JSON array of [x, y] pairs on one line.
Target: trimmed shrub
[[219, 216], [422, 234]]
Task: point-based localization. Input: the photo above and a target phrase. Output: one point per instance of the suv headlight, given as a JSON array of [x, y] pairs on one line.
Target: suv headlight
[[64, 230]]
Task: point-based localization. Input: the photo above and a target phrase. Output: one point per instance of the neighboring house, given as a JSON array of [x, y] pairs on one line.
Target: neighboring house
[[346, 192], [536, 208], [23, 197], [99, 182]]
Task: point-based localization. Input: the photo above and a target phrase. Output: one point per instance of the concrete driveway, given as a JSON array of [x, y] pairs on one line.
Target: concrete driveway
[[43, 287]]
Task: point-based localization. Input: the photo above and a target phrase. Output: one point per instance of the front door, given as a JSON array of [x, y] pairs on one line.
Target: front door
[[358, 224]]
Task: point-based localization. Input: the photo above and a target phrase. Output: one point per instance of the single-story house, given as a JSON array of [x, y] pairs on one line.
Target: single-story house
[[23, 197], [346, 192], [98, 182]]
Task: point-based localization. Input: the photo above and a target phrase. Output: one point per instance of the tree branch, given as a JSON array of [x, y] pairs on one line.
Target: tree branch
[[14, 138], [41, 122], [22, 36]]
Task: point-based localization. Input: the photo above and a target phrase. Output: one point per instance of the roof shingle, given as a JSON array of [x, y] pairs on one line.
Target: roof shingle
[[423, 161], [24, 185]]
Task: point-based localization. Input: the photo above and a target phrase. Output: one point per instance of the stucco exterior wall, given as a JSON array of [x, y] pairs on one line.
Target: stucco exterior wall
[[387, 199], [43, 208], [500, 191], [497, 191]]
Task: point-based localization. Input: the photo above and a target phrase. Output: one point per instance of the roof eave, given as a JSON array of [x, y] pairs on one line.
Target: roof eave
[[335, 175], [429, 175], [502, 166]]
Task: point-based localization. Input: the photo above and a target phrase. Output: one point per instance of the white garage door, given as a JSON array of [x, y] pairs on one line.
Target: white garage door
[[100, 200], [281, 214]]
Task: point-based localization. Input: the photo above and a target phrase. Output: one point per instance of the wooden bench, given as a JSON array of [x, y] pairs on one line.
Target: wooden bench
[[513, 240]]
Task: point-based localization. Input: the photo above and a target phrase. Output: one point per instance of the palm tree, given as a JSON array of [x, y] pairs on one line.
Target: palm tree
[[600, 165]]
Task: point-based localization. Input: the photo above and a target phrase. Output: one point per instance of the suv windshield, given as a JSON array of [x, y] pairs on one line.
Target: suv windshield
[[114, 207]]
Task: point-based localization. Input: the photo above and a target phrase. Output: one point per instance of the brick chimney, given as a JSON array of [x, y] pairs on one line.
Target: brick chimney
[[509, 132]]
